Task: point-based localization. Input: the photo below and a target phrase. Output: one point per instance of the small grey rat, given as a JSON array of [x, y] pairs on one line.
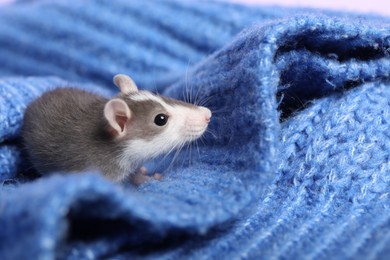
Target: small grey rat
[[68, 129]]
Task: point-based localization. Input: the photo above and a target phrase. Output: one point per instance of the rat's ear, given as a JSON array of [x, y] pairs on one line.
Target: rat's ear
[[117, 113], [125, 84]]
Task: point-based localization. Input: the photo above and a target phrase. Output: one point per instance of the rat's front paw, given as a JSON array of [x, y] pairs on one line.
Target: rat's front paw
[[157, 176], [142, 170], [141, 176]]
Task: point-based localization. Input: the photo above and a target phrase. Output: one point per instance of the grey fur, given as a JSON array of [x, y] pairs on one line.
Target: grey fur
[[65, 130], [176, 102], [142, 125]]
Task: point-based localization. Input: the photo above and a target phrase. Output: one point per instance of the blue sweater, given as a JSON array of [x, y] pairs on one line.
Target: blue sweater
[[297, 161]]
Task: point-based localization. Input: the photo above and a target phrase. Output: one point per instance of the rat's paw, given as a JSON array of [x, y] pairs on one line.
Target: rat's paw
[[157, 176], [141, 176], [143, 170]]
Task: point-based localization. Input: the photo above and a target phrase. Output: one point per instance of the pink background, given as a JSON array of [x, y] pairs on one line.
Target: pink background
[[364, 6], [5, 1]]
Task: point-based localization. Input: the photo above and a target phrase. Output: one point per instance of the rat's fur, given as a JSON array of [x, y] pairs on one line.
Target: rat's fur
[[67, 130], [64, 130]]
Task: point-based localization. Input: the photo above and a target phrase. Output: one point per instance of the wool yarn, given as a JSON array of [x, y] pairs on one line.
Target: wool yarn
[[297, 161]]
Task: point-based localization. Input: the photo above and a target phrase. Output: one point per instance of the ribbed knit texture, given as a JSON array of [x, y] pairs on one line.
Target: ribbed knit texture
[[297, 161]]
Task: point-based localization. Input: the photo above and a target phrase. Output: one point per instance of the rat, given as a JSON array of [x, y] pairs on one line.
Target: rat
[[72, 130]]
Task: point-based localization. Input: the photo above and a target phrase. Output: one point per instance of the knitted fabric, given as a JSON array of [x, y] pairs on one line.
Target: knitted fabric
[[296, 163]]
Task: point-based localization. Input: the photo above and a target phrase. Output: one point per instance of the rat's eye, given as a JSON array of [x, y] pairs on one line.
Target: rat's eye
[[161, 119]]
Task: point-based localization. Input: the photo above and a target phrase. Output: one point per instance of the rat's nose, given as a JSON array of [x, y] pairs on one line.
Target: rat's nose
[[207, 113]]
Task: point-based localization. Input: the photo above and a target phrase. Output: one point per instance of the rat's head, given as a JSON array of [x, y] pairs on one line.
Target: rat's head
[[149, 124]]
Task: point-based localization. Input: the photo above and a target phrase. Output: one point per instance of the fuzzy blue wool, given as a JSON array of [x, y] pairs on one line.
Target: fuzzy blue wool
[[297, 161]]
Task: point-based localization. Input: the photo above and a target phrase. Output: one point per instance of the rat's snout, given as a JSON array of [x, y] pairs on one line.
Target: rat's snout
[[196, 122], [207, 113]]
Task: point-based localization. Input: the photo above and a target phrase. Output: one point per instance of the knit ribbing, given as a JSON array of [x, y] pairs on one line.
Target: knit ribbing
[[312, 184], [131, 33]]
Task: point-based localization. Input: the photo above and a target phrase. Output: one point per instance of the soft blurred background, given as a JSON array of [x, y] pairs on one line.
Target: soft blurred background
[[381, 7], [376, 6], [5, 1]]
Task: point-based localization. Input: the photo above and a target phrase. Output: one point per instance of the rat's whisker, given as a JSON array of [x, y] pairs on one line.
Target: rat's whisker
[[225, 109], [212, 133], [203, 141], [190, 155], [185, 156], [206, 99], [177, 152], [184, 93], [187, 97], [197, 147], [197, 95], [161, 161], [191, 92]]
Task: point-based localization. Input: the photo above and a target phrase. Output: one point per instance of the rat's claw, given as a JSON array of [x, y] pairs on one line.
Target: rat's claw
[[157, 176], [143, 170], [141, 176]]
